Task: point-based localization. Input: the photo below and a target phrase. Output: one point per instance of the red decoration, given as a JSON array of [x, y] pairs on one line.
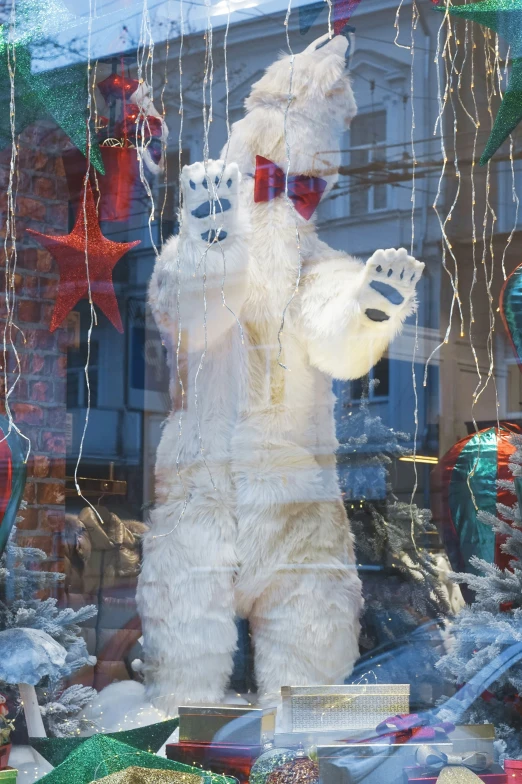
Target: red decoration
[[225, 759], [69, 252], [114, 190], [513, 771], [126, 127], [117, 86], [5, 751], [304, 192], [342, 11]]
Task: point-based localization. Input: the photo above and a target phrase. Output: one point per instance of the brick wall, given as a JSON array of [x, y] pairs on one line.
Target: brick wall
[[38, 402]]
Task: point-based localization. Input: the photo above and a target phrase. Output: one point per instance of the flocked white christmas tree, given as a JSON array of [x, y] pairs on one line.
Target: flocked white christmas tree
[[491, 626], [21, 580]]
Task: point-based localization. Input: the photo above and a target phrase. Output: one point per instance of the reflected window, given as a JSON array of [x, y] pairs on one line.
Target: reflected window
[[368, 191]]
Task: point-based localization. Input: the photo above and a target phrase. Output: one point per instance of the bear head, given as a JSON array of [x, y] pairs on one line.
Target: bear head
[[298, 111]]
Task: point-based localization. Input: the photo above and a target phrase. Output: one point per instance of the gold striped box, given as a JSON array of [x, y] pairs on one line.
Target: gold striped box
[[226, 724], [346, 707]]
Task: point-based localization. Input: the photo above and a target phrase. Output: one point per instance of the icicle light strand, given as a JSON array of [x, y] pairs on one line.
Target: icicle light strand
[[207, 89], [414, 21], [10, 249], [145, 69], [179, 376], [92, 321], [442, 99], [291, 209]]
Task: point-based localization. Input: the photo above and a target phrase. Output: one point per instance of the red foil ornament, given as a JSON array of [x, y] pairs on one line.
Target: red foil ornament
[[69, 251], [118, 87], [147, 126], [116, 190]]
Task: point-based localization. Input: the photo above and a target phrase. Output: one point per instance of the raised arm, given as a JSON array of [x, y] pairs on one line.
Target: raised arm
[[199, 280], [349, 311]]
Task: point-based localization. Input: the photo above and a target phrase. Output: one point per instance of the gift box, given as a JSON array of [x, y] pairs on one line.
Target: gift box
[[236, 724], [226, 759], [376, 762], [513, 770], [473, 737], [5, 751], [418, 775], [347, 707], [8, 775]]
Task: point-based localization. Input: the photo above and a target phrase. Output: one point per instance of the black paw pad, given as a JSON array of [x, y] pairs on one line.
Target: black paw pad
[[214, 236], [376, 315], [210, 207], [387, 291]]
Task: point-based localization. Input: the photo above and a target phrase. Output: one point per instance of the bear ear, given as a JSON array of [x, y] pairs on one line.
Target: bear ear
[[329, 61], [336, 44]]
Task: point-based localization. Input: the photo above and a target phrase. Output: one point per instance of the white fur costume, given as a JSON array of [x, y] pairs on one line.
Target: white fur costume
[[249, 518]]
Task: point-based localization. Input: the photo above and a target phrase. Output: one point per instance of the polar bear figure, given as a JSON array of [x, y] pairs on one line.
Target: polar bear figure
[[258, 316]]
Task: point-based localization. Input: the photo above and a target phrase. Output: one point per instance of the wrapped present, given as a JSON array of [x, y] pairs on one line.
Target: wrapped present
[[436, 767], [420, 775], [227, 759], [8, 775], [346, 707], [227, 724], [513, 770], [383, 759], [473, 737]]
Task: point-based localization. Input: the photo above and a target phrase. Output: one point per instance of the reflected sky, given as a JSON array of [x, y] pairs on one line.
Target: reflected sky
[[109, 27]]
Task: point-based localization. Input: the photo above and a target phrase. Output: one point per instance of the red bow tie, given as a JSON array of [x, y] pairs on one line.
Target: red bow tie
[[269, 183]]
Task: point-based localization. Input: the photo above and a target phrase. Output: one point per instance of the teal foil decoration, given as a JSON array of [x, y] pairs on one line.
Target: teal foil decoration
[[473, 486], [13, 471], [465, 484], [511, 311]]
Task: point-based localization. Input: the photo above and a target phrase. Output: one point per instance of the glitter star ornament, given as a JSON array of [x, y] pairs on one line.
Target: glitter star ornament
[[59, 94], [149, 738], [85, 247], [144, 776], [102, 756], [505, 18]]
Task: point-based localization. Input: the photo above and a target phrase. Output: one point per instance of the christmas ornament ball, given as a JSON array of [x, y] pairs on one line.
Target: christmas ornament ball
[[268, 762], [301, 770]]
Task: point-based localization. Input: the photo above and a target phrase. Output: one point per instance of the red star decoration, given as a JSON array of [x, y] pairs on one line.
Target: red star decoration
[[102, 256]]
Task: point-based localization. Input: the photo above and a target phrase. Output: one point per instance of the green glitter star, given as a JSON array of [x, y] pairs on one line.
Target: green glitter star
[[505, 18], [60, 94], [100, 756], [149, 738]]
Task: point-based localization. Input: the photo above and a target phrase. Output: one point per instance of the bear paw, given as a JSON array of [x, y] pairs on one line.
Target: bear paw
[[210, 198], [390, 278]]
